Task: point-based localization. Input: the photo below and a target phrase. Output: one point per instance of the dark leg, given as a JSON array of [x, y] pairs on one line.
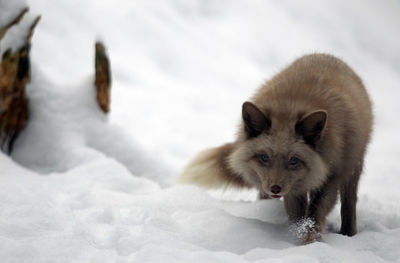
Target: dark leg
[[321, 204], [262, 196], [348, 198], [296, 207]]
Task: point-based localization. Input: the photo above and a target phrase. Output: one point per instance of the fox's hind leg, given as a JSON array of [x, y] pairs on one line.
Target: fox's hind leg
[[348, 199]]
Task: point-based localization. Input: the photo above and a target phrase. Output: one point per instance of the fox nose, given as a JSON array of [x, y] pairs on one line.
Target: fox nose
[[276, 189]]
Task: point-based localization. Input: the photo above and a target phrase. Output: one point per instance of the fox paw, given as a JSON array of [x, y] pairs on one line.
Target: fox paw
[[306, 230], [311, 236]]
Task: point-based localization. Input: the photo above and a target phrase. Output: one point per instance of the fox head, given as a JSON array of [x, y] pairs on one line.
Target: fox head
[[279, 156]]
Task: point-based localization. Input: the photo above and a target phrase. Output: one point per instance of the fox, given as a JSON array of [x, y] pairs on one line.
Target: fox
[[302, 137]]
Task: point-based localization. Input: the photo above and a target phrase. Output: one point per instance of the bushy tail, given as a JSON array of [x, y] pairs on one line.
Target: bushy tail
[[209, 169]]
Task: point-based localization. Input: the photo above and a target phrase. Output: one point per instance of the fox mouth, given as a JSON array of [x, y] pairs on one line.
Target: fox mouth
[[275, 196]]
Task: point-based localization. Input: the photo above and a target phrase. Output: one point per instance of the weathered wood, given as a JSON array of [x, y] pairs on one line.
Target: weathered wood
[[102, 77], [32, 28], [14, 75], [15, 21]]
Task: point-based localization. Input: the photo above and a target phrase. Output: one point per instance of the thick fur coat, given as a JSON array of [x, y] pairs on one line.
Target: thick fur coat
[[303, 137]]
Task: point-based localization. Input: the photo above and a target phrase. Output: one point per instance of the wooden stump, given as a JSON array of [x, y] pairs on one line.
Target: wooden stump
[[102, 77], [14, 75]]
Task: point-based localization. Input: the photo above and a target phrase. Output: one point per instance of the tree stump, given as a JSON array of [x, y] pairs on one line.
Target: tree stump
[[14, 75], [102, 77]]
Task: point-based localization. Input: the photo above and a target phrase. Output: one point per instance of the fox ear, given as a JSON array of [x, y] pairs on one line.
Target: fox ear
[[254, 120], [311, 126]]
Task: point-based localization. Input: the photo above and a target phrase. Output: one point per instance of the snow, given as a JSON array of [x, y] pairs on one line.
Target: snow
[[84, 187]]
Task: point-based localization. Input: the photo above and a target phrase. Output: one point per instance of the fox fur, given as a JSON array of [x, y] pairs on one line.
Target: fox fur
[[303, 137]]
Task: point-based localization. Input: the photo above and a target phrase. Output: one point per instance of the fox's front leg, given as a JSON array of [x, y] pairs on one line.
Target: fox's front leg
[[296, 207], [262, 196], [321, 203]]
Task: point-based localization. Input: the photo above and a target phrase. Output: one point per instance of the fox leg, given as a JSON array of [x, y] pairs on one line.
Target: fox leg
[[262, 195], [321, 203], [296, 207], [348, 199]]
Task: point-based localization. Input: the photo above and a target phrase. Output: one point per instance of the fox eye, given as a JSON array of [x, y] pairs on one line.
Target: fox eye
[[264, 158], [293, 161]]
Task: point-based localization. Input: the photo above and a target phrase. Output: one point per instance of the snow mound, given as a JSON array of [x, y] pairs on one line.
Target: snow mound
[[66, 129]]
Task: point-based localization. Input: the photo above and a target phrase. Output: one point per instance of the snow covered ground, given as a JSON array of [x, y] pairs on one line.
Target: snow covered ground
[[82, 187]]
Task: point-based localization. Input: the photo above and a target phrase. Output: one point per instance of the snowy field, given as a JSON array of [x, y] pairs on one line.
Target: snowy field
[[82, 187]]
